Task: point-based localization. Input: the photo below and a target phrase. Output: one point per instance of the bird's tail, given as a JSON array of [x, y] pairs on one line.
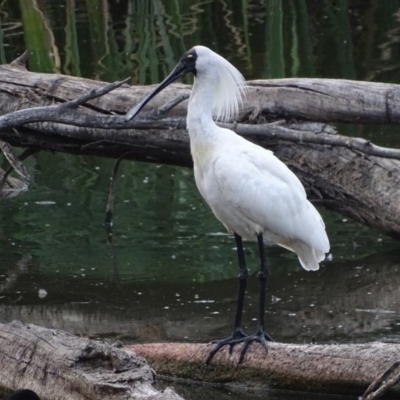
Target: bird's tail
[[309, 258]]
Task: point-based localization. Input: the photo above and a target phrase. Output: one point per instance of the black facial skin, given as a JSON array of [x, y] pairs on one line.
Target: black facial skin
[[186, 64], [189, 59]]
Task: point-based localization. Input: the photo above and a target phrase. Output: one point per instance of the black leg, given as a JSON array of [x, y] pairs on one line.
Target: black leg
[[262, 276], [238, 335], [260, 336], [243, 273]]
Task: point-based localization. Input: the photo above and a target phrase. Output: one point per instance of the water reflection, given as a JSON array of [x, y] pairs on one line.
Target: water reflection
[[213, 393], [171, 273], [110, 40], [353, 301]]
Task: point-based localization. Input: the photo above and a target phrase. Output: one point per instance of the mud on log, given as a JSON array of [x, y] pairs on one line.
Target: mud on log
[[348, 175], [57, 365]]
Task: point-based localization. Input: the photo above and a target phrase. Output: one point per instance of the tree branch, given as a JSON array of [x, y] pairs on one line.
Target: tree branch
[[349, 175], [64, 113]]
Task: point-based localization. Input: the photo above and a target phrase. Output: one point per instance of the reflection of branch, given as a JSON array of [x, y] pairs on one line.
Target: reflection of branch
[[14, 185], [113, 256], [108, 220], [15, 164], [111, 195], [20, 269]]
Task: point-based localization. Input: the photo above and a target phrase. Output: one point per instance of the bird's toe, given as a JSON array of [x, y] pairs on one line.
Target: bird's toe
[[238, 336], [261, 337]]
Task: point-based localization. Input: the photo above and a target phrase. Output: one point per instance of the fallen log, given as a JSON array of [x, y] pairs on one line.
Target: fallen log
[[329, 369], [329, 100], [348, 175], [57, 365]]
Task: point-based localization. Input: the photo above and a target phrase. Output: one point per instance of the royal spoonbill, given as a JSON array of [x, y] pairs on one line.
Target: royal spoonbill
[[253, 193]]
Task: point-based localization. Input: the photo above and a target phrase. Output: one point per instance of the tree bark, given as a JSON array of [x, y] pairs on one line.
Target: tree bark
[[329, 100], [329, 369], [59, 366], [344, 174]]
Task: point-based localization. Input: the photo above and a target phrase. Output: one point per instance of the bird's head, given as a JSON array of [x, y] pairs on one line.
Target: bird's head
[[205, 64]]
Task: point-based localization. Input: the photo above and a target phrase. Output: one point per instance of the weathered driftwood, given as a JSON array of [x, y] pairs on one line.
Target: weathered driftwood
[[344, 174], [330, 369], [60, 366], [329, 100]]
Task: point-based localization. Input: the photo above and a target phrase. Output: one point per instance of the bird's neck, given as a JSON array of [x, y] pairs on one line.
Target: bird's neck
[[204, 134], [200, 123]]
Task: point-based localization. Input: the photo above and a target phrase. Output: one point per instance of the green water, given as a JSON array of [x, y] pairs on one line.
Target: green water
[[170, 272]]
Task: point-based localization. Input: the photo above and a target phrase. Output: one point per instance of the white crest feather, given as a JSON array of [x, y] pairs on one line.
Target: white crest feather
[[230, 88], [229, 91]]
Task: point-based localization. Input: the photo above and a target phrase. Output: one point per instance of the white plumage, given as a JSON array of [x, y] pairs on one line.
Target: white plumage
[[249, 190]]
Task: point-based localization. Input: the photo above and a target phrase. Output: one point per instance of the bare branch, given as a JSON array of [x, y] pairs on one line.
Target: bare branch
[[279, 132], [63, 113], [93, 94], [20, 62], [349, 175], [383, 383]]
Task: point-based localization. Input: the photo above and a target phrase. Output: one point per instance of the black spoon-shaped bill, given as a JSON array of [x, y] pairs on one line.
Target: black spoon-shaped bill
[[180, 70]]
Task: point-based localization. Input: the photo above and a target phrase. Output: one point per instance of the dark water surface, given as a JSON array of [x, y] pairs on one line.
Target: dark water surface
[[170, 274]]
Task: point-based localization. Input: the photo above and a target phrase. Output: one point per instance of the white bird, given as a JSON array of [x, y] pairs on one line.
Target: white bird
[[253, 194]]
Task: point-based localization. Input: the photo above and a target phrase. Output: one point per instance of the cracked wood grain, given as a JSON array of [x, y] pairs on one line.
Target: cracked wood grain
[[57, 365]]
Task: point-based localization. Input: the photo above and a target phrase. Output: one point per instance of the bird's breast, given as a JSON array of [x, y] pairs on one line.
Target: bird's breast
[[202, 154]]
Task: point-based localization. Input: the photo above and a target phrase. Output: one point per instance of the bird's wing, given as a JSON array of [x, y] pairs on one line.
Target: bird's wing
[[259, 188]]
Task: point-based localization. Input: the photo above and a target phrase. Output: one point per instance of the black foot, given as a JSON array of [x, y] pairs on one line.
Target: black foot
[[238, 336], [260, 337]]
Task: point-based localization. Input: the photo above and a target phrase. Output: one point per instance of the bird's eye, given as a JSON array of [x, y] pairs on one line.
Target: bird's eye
[[190, 56]]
